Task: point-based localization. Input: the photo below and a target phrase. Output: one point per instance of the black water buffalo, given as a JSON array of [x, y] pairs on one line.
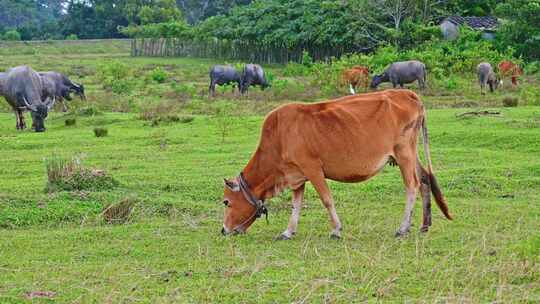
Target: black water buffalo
[[253, 74], [223, 74], [22, 88], [486, 76], [57, 86], [399, 73]]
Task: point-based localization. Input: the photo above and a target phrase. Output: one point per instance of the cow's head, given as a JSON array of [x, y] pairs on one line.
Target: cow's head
[[378, 79], [239, 213]]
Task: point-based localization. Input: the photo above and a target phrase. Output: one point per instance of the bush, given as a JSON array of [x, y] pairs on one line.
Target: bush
[[89, 111], [72, 37], [510, 101], [184, 91], [116, 76], [12, 35], [71, 122], [119, 213], [101, 132], [70, 175], [158, 75]]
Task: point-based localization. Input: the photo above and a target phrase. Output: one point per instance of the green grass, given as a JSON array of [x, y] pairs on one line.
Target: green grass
[[170, 250]]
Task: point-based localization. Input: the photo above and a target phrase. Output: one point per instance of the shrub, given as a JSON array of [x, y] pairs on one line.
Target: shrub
[[293, 69], [70, 175], [12, 35], [101, 132], [223, 115], [116, 76], [158, 75], [306, 59], [510, 101], [119, 213], [72, 37], [186, 119], [89, 111], [71, 122], [184, 91]]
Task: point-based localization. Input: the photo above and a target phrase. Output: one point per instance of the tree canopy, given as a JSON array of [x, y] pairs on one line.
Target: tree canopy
[[354, 25]]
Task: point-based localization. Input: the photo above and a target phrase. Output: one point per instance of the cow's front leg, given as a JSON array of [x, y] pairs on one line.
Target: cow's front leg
[[17, 120], [351, 89], [319, 183], [298, 198]]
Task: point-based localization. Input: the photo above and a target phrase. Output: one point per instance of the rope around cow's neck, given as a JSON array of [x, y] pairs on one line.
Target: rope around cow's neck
[[260, 208]]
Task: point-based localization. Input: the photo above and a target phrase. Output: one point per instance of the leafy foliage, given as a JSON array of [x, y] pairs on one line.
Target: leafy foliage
[[522, 29]]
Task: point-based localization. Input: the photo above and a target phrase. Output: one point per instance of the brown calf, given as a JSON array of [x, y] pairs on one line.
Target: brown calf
[[509, 69], [357, 75], [349, 139]]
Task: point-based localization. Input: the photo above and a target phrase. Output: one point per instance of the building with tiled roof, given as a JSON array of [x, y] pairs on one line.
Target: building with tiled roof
[[450, 26]]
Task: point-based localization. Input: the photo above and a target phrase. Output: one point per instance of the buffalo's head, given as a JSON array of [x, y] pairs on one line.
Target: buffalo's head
[[378, 79], [239, 213], [79, 90], [38, 117]]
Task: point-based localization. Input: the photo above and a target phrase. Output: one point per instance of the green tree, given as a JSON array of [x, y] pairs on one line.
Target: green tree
[[521, 30], [12, 35]]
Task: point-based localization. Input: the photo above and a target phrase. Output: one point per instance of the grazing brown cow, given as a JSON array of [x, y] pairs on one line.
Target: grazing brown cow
[[349, 139], [357, 75], [509, 69]]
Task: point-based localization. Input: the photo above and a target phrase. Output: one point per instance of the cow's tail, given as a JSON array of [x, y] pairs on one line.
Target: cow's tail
[[434, 185]]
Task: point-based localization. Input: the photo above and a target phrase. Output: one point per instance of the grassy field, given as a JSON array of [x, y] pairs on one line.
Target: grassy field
[[171, 250]]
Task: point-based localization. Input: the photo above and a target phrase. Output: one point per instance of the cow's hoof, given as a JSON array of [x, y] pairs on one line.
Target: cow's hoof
[[282, 237], [401, 234], [335, 236], [424, 229]]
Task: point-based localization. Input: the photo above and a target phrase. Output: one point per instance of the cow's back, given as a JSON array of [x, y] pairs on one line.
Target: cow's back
[[358, 131]]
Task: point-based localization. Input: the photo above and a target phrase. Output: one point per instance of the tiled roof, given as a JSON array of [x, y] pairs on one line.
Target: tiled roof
[[475, 22]]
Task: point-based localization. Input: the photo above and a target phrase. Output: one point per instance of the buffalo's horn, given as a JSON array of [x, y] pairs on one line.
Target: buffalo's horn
[[50, 105], [29, 106]]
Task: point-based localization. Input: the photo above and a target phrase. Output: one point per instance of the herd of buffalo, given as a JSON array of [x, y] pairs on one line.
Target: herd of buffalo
[[37, 92], [28, 90]]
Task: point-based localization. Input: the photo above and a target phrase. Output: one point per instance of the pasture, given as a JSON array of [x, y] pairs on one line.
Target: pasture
[[169, 146]]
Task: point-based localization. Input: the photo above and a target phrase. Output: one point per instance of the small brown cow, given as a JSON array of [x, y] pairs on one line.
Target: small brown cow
[[357, 75], [509, 69], [349, 139]]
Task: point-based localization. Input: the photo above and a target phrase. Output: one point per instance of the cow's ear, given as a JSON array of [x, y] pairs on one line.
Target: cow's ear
[[231, 184]]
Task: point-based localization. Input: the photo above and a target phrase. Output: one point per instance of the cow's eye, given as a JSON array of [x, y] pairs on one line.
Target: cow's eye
[[226, 202]]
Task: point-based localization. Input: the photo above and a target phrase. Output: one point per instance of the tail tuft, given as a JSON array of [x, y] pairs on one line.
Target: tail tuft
[[439, 198]]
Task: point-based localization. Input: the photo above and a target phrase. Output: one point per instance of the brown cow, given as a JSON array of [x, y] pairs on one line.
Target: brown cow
[[509, 69], [349, 139], [357, 75]]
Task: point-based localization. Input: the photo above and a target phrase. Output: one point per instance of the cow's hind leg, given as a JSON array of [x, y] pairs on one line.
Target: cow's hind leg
[[406, 159], [319, 183], [298, 197]]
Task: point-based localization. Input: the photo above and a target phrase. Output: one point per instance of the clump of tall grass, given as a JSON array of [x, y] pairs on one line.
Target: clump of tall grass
[[101, 132], [69, 174], [510, 101], [120, 212]]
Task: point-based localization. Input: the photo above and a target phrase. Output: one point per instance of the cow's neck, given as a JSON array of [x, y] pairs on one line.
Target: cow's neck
[[263, 176]]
